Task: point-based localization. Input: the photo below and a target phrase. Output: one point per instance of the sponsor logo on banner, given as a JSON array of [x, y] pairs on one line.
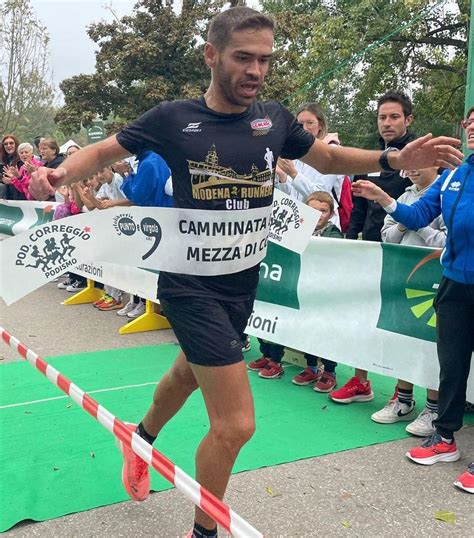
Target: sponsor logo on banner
[[284, 219], [50, 249], [13, 213], [279, 277], [8, 217], [91, 269], [408, 286], [149, 227], [261, 126]]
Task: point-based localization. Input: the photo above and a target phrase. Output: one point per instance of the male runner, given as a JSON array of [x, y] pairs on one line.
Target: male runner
[[217, 148]]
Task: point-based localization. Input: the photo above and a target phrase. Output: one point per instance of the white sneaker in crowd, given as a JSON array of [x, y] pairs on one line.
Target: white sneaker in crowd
[[76, 286], [126, 309], [422, 426], [64, 284], [137, 311], [393, 412]]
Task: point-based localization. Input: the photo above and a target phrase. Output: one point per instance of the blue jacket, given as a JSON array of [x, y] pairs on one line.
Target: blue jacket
[[452, 195], [147, 186]]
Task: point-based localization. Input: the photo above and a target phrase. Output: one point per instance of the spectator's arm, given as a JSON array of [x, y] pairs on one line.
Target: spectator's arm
[[89, 200], [76, 189], [115, 203], [392, 232], [434, 236], [306, 186]]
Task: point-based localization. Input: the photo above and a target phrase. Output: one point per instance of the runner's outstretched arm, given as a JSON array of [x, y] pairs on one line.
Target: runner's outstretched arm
[[423, 152], [80, 165]]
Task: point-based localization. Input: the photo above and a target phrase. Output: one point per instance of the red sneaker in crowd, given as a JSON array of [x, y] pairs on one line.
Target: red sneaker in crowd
[[257, 365], [434, 449], [326, 383], [306, 377], [466, 480], [353, 391], [102, 299], [271, 371], [135, 472], [110, 304]]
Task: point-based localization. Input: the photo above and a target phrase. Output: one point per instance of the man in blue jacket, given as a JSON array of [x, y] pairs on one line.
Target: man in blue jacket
[[452, 196]]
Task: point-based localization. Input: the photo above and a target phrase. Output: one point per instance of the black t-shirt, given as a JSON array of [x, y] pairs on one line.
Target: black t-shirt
[[217, 161]]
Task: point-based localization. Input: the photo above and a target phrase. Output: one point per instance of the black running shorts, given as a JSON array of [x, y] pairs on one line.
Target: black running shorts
[[208, 330]]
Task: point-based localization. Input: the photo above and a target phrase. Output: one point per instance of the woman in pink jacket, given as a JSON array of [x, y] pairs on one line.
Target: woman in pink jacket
[[20, 178]]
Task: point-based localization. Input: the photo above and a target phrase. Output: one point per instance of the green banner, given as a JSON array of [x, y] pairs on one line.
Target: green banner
[[279, 276], [408, 286], [19, 216]]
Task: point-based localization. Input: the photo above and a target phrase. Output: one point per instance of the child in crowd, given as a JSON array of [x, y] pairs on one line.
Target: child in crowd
[[110, 195], [269, 364], [402, 406]]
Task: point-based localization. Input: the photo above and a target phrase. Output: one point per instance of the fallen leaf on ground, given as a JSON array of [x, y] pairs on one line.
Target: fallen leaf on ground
[[446, 516], [272, 493], [345, 523], [346, 495], [69, 405]]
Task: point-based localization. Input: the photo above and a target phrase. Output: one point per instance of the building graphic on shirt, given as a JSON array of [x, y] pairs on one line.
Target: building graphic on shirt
[[210, 175]]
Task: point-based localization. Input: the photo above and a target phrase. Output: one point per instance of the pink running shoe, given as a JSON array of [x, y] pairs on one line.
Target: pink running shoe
[[353, 391], [434, 449], [466, 480], [135, 473]]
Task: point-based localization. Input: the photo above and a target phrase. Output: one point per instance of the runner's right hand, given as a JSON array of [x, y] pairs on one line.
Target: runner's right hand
[[42, 181]]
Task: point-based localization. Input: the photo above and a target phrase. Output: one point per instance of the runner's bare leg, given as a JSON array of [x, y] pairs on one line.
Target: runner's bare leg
[[171, 393], [229, 404]]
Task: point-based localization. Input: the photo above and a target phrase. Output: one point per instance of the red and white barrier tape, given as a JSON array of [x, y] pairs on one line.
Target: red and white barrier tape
[[210, 504]]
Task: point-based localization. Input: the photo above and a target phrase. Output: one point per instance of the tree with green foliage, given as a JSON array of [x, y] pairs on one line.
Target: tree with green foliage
[[345, 53], [155, 54], [26, 91]]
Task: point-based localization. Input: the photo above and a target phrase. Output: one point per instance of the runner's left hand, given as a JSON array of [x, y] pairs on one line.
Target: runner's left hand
[[427, 151]]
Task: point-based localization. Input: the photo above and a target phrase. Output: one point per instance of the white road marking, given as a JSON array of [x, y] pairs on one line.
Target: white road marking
[[89, 392]]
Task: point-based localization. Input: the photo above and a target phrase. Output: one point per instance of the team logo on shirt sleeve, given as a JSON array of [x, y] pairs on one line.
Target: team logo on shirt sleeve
[[261, 126]]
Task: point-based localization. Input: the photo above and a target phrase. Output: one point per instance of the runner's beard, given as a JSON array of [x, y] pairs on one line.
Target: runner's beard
[[225, 84]]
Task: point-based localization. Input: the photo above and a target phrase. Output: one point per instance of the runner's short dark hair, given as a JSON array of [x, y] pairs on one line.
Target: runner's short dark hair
[[236, 19], [397, 97], [469, 112]]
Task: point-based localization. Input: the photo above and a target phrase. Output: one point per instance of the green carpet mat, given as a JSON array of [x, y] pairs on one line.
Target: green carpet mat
[[55, 459]]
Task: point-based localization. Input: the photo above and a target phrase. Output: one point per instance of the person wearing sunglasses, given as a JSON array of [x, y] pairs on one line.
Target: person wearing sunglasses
[[451, 196]]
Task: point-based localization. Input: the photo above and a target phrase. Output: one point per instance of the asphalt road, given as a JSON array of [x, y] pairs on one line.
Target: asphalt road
[[372, 491]]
